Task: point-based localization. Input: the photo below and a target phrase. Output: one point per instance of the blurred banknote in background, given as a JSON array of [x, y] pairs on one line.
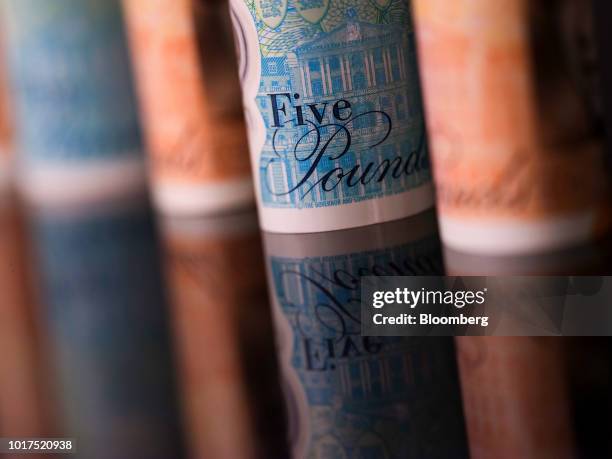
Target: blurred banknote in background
[[103, 304], [24, 407], [516, 393], [100, 301], [5, 124], [512, 96], [184, 58], [333, 105], [76, 127]]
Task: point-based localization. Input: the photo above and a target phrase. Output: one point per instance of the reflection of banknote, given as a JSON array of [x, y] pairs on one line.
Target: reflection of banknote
[[515, 393], [22, 405], [76, 129], [333, 102], [354, 396], [103, 308], [23, 411], [218, 287], [513, 112], [190, 100], [515, 397]]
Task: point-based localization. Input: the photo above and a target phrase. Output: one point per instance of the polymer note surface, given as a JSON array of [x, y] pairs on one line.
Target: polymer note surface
[[332, 94]]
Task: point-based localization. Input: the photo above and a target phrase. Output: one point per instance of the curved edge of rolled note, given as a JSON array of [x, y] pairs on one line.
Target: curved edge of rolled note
[[247, 46], [364, 213], [203, 198], [514, 237], [58, 185]]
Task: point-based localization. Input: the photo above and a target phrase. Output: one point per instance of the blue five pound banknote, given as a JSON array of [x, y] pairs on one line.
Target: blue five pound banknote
[[72, 91], [333, 100], [77, 133]]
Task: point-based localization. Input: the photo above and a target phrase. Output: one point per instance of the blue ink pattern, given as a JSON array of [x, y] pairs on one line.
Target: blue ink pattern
[[71, 80], [368, 397], [358, 52]]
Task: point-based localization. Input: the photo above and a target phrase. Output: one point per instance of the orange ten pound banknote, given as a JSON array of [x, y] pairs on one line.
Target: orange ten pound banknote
[[514, 118], [5, 130], [190, 103]]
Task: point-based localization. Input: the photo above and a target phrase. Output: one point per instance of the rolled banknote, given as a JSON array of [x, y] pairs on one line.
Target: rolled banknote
[[349, 395], [23, 407], [333, 105], [76, 128], [5, 128], [190, 99], [511, 92], [103, 308], [217, 282]]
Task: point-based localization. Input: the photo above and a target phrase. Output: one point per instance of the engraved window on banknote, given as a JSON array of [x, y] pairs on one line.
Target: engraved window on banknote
[[317, 77]]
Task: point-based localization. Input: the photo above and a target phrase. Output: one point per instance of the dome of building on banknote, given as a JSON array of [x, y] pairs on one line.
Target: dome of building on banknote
[[512, 100], [184, 61], [333, 105]]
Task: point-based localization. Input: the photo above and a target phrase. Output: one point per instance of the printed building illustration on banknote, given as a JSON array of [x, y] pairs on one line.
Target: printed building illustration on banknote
[[335, 106]]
